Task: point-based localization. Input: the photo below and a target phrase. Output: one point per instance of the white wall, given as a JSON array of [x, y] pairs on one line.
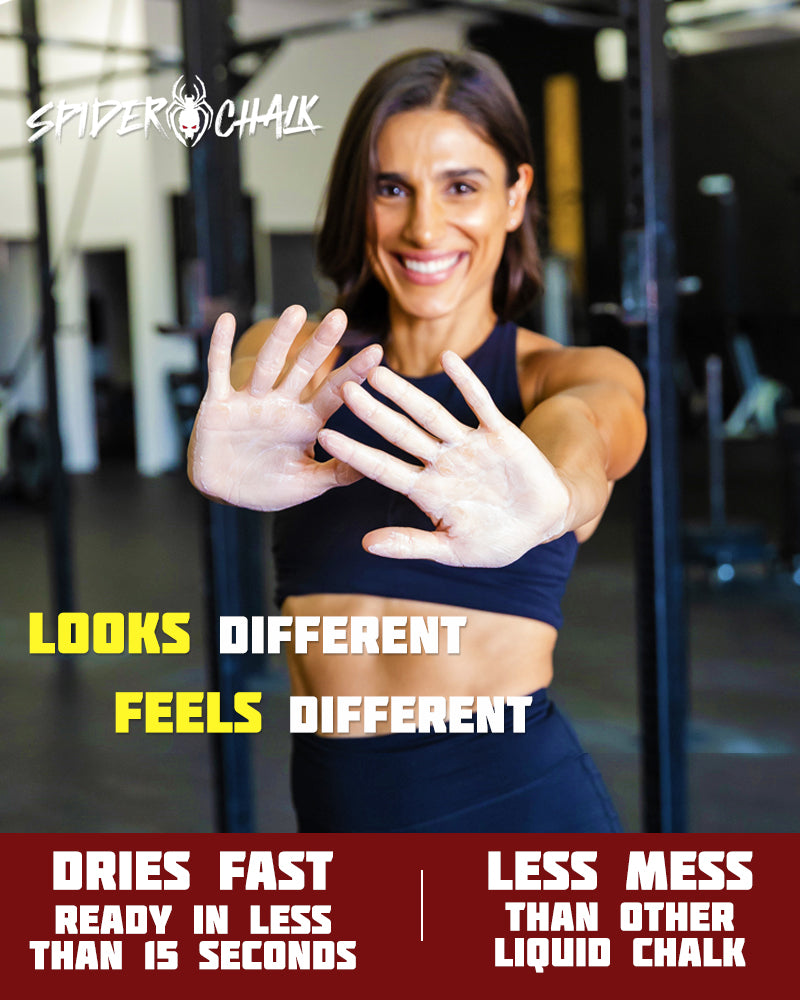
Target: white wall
[[125, 207], [287, 177], [132, 178]]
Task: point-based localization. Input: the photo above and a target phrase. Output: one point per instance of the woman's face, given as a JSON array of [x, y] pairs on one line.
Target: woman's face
[[441, 211]]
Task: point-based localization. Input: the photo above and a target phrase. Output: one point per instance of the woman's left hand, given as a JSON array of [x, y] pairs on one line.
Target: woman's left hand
[[489, 491]]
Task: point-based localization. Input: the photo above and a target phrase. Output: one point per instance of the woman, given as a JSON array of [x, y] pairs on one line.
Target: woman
[[443, 486]]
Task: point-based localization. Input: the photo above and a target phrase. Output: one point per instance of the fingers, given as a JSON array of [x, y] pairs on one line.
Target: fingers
[[272, 356], [327, 398], [475, 393], [326, 336], [219, 357], [411, 543], [419, 405], [373, 463], [390, 424]]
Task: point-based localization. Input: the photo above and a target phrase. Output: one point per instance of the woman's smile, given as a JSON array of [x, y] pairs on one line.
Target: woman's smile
[[429, 268]]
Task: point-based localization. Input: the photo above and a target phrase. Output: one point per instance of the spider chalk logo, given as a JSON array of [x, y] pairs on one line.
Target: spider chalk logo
[[188, 116], [194, 113]]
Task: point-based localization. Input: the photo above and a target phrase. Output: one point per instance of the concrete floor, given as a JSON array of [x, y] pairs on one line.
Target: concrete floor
[[138, 547]]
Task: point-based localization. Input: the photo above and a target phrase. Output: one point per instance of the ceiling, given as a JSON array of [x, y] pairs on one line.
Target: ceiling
[[695, 25]]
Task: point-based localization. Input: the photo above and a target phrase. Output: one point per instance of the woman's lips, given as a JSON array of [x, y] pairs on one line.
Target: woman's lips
[[429, 269]]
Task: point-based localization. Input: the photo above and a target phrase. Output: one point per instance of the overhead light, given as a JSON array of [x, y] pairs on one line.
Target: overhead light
[[715, 184], [687, 11], [611, 54]]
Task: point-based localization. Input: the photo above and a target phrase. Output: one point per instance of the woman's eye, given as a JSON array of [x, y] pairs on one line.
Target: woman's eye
[[387, 190], [461, 187]]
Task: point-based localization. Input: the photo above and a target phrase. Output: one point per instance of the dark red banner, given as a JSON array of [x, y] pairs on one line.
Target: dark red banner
[[143, 914]]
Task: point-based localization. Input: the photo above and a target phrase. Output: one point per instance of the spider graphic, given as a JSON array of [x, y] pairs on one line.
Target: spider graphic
[[193, 112]]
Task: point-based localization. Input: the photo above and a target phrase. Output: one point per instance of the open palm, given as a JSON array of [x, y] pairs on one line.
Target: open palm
[[253, 447], [489, 491]]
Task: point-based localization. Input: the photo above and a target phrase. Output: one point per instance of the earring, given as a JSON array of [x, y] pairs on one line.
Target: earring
[[512, 201]]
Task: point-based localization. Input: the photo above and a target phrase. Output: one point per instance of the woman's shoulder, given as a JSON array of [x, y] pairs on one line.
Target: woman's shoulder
[[530, 344], [534, 352], [546, 367]]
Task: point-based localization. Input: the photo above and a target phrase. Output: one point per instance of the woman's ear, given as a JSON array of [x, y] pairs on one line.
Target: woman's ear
[[518, 196]]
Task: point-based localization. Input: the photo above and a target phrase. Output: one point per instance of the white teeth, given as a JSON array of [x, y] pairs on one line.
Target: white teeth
[[430, 266]]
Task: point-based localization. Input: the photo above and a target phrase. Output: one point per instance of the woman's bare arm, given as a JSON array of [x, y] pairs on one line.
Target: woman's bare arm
[[588, 420]]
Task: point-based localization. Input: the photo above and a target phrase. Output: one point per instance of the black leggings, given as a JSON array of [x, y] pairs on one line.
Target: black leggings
[[538, 781]]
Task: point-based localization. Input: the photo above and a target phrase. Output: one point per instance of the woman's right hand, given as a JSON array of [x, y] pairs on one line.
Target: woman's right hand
[[254, 447]]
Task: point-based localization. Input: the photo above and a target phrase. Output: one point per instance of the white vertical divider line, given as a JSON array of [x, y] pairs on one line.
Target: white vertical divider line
[[420, 904]]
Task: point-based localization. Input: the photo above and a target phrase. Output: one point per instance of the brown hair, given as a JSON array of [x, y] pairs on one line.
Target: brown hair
[[472, 85]]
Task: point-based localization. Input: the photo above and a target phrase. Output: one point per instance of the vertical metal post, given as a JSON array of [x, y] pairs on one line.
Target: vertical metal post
[[649, 302], [729, 209], [232, 539], [59, 501], [716, 445]]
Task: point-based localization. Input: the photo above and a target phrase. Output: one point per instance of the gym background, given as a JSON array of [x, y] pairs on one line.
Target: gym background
[[115, 526]]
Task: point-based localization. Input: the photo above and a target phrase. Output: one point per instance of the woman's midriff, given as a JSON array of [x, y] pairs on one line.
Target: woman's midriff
[[498, 654]]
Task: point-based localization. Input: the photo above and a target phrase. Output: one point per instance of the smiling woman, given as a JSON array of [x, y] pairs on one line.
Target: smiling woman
[[482, 109], [468, 461], [440, 216]]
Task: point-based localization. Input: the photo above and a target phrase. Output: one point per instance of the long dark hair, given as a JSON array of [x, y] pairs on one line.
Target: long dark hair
[[472, 85]]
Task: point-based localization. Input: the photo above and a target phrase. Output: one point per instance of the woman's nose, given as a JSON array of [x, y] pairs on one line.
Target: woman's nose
[[426, 220]]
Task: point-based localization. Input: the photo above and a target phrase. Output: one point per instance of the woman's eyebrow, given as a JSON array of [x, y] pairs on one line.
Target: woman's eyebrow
[[445, 175], [392, 177]]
